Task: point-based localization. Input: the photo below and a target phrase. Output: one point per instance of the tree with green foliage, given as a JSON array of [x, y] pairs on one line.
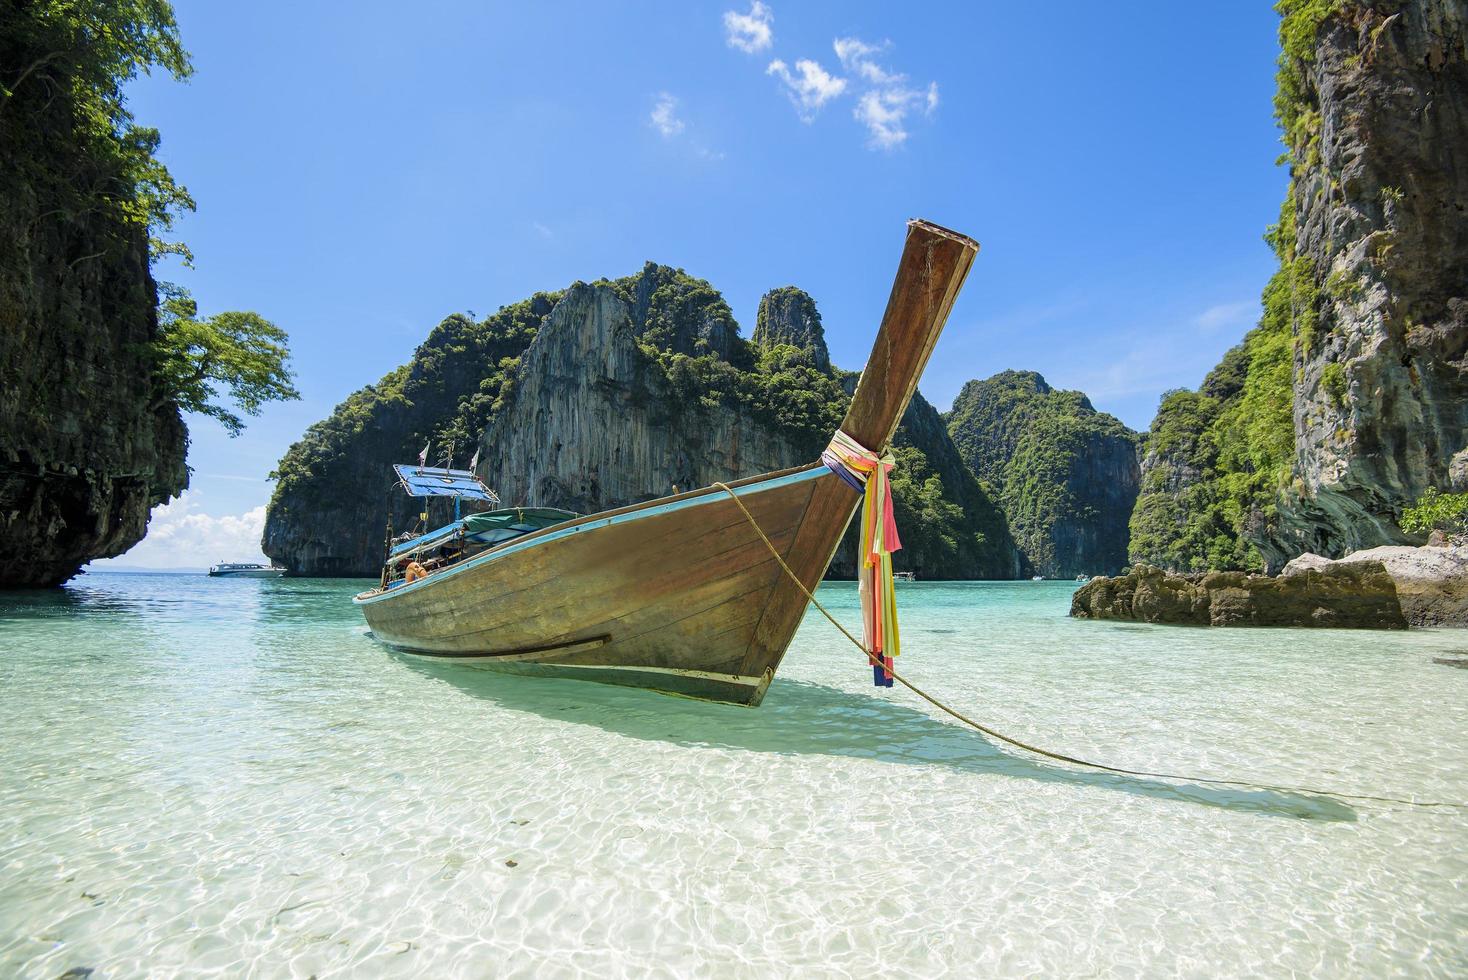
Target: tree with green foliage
[[244, 352], [1435, 511], [63, 67]]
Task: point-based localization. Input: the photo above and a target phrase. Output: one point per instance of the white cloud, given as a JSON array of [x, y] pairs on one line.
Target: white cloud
[[884, 107], [664, 116], [179, 536], [883, 119], [856, 56], [751, 32], [812, 88], [1226, 315], [542, 230]]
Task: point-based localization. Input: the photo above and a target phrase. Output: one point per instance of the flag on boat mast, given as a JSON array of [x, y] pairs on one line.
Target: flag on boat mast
[[423, 456], [474, 463]]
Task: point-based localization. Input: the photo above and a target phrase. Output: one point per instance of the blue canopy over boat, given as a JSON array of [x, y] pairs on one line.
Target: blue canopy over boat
[[438, 481], [489, 527]]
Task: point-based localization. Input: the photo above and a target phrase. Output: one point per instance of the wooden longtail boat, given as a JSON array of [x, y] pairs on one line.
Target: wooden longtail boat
[[680, 594]]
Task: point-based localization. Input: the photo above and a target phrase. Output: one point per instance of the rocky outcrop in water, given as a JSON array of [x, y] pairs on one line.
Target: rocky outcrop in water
[[86, 446], [1065, 474], [1356, 596], [612, 393]]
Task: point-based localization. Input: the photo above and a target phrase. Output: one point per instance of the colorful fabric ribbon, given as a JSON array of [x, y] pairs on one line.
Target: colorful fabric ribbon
[[862, 469]]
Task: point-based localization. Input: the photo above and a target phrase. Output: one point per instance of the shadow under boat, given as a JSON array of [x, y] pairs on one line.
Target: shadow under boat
[[804, 718]]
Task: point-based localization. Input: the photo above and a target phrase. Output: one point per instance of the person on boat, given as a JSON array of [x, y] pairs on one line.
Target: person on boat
[[413, 572]]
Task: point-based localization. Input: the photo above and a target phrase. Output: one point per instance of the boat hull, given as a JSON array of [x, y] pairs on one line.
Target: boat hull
[[680, 595]]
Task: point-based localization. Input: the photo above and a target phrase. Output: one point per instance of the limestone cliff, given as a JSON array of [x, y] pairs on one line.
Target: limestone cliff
[[86, 446], [950, 527], [609, 393], [1184, 519], [594, 423], [1380, 194], [1065, 474]]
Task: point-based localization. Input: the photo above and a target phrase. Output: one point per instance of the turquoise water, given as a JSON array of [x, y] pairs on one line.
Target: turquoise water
[[230, 776]]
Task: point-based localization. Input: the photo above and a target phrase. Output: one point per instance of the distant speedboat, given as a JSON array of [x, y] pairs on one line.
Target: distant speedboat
[[235, 569], [1083, 578], [905, 576], [1037, 578]]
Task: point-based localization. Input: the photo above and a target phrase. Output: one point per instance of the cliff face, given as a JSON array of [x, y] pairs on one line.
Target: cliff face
[[612, 393], [594, 423], [1380, 193], [1065, 474], [86, 450], [1182, 520], [86, 447]]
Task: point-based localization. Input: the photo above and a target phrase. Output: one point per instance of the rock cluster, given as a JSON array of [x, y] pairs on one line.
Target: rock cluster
[[1431, 582], [1359, 596]]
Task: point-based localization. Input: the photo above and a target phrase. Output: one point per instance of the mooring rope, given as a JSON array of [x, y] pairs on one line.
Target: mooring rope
[[1046, 753]]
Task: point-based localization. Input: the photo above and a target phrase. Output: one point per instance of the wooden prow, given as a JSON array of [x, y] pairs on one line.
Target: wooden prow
[[934, 263], [932, 269]]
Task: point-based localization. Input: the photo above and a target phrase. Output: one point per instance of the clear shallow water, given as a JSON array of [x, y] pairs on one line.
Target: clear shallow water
[[230, 776]]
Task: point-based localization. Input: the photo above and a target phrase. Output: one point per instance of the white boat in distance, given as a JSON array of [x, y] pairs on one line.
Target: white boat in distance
[[234, 569]]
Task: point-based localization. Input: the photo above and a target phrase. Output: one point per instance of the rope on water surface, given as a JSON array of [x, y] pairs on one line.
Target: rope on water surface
[[1057, 756]]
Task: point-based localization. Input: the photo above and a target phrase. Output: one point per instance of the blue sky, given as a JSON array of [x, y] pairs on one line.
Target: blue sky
[[362, 171]]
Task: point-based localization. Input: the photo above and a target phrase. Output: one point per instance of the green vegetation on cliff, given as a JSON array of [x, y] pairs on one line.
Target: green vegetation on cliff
[[1216, 459], [950, 525], [689, 333], [1435, 511], [1065, 474]]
